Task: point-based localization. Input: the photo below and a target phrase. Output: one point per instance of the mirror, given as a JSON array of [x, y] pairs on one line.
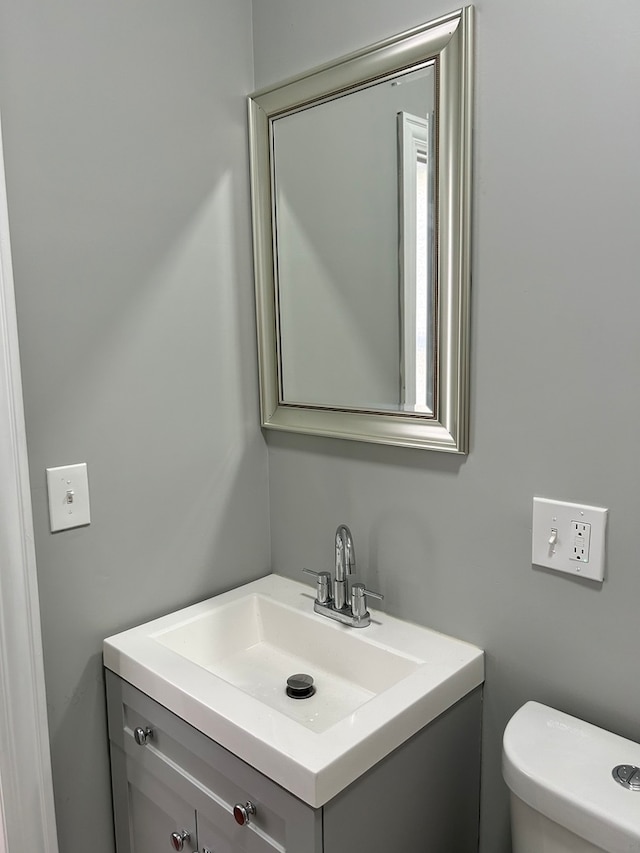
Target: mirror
[[360, 174]]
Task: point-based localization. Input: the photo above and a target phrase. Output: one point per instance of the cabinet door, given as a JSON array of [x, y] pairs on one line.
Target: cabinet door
[[155, 813]]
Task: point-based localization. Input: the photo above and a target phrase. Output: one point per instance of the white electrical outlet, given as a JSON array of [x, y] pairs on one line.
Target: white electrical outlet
[[581, 535], [68, 488], [569, 538]]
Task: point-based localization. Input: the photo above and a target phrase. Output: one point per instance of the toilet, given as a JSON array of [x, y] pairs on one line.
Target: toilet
[[574, 788]]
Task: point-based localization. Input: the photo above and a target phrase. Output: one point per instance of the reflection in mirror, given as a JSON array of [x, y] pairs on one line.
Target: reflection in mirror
[[360, 177], [416, 234], [341, 314]]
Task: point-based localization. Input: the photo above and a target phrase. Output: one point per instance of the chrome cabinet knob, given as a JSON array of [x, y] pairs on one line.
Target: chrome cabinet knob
[[178, 839], [141, 735], [243, 813]]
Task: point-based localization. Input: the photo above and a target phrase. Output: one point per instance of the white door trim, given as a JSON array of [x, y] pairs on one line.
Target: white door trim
[[27, 819]]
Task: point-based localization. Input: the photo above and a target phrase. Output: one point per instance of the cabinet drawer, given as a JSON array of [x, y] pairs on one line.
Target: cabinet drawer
[[210, 778]]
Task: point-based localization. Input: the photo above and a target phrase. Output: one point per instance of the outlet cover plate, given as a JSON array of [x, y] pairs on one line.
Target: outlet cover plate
[[559, 555], [68, 490]]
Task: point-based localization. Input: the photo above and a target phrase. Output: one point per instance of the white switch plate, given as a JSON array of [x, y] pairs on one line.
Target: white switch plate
[[68, 488], [560, 540]]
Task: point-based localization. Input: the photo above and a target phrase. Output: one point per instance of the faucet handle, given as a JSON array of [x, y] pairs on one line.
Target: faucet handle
[[323, 585], [359, 599]]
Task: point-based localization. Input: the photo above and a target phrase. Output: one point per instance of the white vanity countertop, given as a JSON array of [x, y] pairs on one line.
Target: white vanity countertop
[[416, 675]]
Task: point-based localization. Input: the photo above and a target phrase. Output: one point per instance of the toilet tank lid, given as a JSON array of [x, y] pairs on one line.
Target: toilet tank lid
[[561, 766]]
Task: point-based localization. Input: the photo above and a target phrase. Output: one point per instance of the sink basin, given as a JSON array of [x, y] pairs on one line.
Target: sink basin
[[256, 643], [222, 665]]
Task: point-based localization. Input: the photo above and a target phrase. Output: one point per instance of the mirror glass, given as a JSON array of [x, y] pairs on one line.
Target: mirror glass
[[360, 195], [352, 332]]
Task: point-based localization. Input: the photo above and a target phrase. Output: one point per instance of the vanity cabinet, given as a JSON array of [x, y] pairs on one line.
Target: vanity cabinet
[[182, 781], [177, 788]]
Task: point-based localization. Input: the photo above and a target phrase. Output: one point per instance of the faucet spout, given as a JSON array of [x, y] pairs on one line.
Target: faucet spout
[[345, 564]]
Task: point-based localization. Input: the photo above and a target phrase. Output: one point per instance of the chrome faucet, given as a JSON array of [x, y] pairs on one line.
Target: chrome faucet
[[345, 565], [336, 607]]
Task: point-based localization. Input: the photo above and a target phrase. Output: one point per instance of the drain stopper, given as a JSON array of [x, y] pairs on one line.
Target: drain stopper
[[300, 686]]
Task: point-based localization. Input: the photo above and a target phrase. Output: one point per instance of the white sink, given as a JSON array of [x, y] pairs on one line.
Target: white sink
[[222, 665], [256, 643]]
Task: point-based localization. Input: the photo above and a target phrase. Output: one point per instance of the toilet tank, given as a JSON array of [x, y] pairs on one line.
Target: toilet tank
[[564, 797]]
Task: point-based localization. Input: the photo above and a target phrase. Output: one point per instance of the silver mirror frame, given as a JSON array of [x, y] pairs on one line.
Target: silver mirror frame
[[448, 42]]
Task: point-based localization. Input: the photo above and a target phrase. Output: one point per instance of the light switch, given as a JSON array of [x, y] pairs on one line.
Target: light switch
[[569, 537], [68, 488]]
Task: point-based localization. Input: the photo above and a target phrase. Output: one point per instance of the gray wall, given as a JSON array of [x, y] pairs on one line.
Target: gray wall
[[125, 142], [555, 356]]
